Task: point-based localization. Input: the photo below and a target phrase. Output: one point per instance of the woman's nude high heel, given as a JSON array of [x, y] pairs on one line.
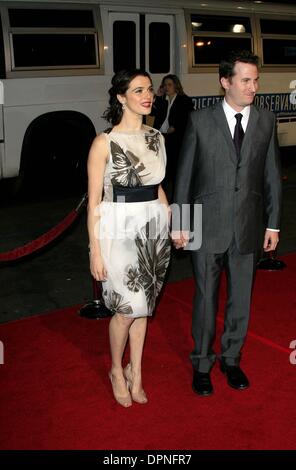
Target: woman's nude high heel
[[139, 397], [125, 400]]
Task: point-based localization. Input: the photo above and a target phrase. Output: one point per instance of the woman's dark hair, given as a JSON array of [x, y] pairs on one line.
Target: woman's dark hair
[[120, 83], [176, 81], [227, 64]]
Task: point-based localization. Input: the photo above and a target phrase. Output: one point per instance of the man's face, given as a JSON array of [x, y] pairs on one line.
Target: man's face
[[240, 89]]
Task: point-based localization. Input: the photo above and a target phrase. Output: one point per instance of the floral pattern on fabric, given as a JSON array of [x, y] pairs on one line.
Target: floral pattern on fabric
[[126, 167], [152, 139], [134, 241], [115, 303]]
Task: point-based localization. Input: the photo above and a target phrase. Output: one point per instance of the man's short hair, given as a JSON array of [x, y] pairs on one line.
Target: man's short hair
[[227, 64]]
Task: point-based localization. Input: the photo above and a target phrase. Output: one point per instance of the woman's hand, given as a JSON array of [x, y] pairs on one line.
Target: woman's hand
[[97, 267], [160, 91], [180, 238]]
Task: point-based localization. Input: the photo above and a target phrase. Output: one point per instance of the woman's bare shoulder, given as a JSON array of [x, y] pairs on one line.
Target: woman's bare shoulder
[[99, 147]]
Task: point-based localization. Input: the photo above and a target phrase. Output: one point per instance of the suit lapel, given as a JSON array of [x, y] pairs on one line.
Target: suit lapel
[[222, 123], [251, 128]]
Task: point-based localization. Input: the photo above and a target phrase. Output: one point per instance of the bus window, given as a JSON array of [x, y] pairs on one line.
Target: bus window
[[159, 47], [142, 40], [42, 50], [160, 53], [52, 38], [209, 50], [213, 35], [220, 24], [278, 41], [281, 51], [278, 26], [40, 18], [124, 45]]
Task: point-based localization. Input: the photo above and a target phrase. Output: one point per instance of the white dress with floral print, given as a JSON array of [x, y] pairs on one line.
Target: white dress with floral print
[[134, 236]]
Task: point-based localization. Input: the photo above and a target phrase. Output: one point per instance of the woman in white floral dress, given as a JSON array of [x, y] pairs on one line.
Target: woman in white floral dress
[[128, 218]]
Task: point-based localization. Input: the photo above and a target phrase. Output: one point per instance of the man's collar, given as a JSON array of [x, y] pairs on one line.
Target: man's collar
[[230, 112]]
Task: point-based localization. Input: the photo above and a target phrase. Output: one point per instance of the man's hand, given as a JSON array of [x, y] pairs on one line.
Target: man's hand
[[180, 238], [271, 240]]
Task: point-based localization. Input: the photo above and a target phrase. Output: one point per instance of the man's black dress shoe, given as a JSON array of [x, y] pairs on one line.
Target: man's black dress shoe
[[202, 384], [235, 376]]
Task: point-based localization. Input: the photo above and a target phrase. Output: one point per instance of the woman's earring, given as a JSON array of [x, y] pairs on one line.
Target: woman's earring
[[123, 106]]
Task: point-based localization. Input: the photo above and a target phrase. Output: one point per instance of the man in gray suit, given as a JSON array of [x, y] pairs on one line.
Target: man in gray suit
[[230, 156]]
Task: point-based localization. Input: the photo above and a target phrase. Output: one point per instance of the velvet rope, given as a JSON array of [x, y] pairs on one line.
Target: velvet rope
[[44, 239]]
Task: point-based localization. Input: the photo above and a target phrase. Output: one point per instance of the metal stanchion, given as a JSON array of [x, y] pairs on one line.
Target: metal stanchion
[[96, 308], [270, 262]]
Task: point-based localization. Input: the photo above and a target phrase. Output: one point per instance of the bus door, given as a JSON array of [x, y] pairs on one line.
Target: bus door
[[160, 44], [140, 40]]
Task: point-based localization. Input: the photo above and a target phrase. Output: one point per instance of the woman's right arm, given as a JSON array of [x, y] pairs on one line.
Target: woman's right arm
[[96, 165]]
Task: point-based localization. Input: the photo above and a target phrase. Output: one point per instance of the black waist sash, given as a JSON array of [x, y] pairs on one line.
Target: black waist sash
[[135, 194]]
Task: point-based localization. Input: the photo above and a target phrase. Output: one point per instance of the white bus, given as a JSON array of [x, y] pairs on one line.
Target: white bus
[[57, 59]]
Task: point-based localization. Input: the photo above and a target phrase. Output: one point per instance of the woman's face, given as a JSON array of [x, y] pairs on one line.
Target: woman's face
[[169, 87], [139, 96]]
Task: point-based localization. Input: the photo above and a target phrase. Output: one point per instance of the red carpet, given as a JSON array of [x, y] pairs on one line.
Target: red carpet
[[55, 394]]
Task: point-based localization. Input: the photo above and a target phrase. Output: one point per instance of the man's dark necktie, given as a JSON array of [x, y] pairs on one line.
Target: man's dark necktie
[[238, 133]]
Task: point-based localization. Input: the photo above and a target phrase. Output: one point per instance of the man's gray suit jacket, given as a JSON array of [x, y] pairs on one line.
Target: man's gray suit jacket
[[239, 196]]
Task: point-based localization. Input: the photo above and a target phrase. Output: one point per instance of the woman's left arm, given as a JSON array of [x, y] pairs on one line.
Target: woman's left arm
[[162, 196], [163, 199]]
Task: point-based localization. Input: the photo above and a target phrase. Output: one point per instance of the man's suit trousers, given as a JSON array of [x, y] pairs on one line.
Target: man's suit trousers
[[239, 271]]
